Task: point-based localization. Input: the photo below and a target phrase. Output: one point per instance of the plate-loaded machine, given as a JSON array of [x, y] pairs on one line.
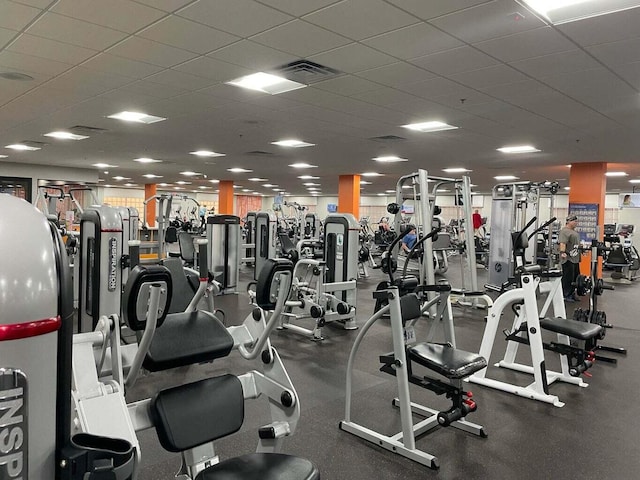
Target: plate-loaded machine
[[102, 266], [527, 327], [444, 367], [189, 417], [325, 291]]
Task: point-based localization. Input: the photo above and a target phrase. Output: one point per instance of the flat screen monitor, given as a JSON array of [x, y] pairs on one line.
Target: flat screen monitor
[[408, 209], [624, 229], [629, 200], [332, 208]]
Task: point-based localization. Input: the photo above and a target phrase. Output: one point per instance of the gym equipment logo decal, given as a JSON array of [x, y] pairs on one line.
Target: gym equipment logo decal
[[14, 443]]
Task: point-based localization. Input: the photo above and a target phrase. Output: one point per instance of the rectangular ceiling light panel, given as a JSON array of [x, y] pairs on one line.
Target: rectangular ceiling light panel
[[564, 11]]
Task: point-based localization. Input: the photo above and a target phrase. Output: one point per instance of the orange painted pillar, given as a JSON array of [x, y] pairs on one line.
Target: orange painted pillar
[[349, 195], [225, 197], [150, 191], [588, 183]]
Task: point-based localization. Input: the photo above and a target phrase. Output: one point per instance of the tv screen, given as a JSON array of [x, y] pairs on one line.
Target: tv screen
[[408, 209], [629, 200], [624, 229], [332, 208]]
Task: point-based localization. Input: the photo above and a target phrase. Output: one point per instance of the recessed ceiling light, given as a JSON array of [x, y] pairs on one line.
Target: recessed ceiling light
[[4, 156], [426, 127], [442, 190], [239, 170], [104, 165], [390, 159], [146, 160], [130, 184], [389, 191], [266, 82], [21, 146], [269, 185], [381, 194], [302, 165], [308, 177], [207, 153], [151, 175], [634, 181], [119, 178], [246, 190], [371, 174], [203, 187], [65, 135], [616, 174], [182, 182], [237, 186], [505, 177], [456, 170], [313, 188], [310, 184], [214, 181], [178, 188], [562, 11], [256, 179], [364, 182], [292, 143], [164, 184], [189, 173], [137, 117], [567, 188], [518, 149]]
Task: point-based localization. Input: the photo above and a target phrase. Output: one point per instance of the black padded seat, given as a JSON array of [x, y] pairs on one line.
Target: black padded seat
[[445, 360], [262, 466], [571, 328], [188, 338]]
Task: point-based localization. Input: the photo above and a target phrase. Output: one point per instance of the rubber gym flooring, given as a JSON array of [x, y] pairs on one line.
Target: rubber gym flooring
[[596, 435]]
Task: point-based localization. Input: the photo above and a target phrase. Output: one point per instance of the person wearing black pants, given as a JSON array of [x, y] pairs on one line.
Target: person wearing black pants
[[569, 257]]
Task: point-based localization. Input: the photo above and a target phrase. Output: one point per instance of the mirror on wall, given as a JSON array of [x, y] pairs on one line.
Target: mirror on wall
[[17, 186]]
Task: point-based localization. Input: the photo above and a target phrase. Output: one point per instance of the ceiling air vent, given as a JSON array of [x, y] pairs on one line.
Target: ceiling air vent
[[307, 72], [387, 138], [85, 130], [259, 152]]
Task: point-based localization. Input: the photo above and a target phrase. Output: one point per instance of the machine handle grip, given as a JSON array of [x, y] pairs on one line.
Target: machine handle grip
[[203, 260]]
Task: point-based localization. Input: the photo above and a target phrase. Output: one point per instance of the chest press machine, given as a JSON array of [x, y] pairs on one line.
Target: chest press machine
[[188, 418], [527, 328]]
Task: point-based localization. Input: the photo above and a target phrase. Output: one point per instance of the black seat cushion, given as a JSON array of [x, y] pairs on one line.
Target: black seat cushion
[[196, 413], [571, 328], [188, 338], [262, 466], [446, 360]]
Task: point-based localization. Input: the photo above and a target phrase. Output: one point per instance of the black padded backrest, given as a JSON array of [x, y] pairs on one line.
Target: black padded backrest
[[171, 235], [617, 257], [286, 243], [136, 295], [189, 415], [187, 249], [410, 307], [520, 242], [266, 289], [182, 289]]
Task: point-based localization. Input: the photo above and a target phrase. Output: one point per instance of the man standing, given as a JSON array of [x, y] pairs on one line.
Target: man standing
[[569, 257], [477, 223], [202, 212], [409, 240]]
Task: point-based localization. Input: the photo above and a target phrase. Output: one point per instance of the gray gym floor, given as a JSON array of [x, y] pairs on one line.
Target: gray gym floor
[[596, 435]]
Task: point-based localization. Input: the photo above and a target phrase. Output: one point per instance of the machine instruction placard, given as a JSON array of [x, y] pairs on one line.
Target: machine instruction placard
[[587, 214]]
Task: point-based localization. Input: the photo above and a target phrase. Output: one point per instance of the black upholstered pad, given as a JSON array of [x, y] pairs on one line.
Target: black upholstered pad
[[445, 360], [183, 290], [189, 415], [187, 338], [571, 328], [262, 466]]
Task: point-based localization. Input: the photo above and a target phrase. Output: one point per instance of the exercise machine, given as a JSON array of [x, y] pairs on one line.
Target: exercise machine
[[223, 236], [265, 240]]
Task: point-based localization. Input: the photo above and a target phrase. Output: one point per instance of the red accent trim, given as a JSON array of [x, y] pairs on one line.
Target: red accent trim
[[204, 279], [109, 230], [16, 331]]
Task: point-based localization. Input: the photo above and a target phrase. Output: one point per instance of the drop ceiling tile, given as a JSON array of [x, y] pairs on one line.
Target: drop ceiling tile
[[386, 96], [353, 58], [555, 64], [629, 71], [122, 15], [239, 17], [608, 28], [143, 50], [165, 5], [359, 19], [88, 82], [15, 16], [453, 61], [11, 90], [519, 93], [75, 32], [300, 38], [121, 100], [181, 80], [50, 49], [347, 85], [155, 90], [182, 33], [105, 62], [212, 69], [617, 53], [486, 21], [462, 98], [42, 4], [399, 73], [488, 77], [28, 63], [532, 43], [296, 7], [6, 35], [413, 41], [435, 87], [598, 82], [187, 104], [434, 8], [252, 55]]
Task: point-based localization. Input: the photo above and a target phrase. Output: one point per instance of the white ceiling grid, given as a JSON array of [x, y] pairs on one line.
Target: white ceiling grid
[[571, 90]]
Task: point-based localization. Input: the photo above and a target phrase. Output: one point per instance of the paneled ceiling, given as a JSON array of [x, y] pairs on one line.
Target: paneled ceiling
[[492, 68]]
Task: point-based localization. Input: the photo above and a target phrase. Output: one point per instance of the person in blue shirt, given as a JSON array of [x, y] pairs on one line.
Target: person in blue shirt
[[409, 240]]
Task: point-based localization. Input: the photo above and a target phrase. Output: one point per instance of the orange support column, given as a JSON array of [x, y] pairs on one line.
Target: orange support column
[[587, 182], [150, 191], [349, 195], [225, 197]]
